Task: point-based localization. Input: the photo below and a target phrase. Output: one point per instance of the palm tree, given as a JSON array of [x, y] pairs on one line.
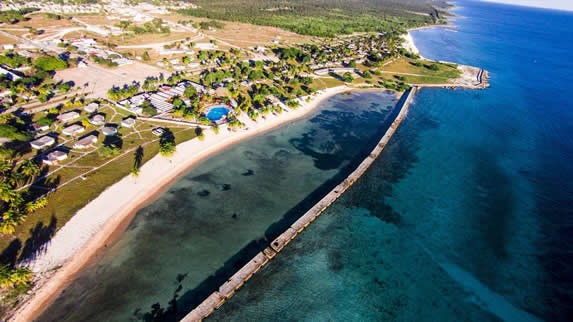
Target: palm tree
[[29, 169], [36, 204], [21, 276], [7, 193], [10, 220]]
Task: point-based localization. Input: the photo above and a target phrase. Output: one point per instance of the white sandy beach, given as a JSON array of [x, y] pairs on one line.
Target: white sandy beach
[[410, 45], [92, 226]]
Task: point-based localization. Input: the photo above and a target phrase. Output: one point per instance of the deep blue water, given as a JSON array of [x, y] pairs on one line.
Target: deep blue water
[[468, 214], [217, 112]]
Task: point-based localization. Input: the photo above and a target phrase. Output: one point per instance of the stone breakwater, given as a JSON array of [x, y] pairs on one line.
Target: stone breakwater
[[227, 290]]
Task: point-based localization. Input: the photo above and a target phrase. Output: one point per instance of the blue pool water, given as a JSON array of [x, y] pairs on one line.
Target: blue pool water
[[217, 112]]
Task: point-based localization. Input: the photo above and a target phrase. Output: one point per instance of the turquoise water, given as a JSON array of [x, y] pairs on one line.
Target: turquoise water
[[467, 215], [217, 112], [185, 244]]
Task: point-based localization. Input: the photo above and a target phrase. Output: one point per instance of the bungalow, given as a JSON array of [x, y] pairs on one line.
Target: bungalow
[[86, 142], [97, 119], [158, 131], [54, 157], [205, 45], [91, 107], [8, 73], [109, 130], [69, 116], [128, 122], [36, 127], [43, 142], [73, 129]]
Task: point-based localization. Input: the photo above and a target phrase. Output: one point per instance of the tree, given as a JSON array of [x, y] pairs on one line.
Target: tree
[[167, 145], [37, 204], [190, 92], [347, 77], [166, 148], [13, 277], [148, 109], [50, 63], [29, 169], [145, 56]]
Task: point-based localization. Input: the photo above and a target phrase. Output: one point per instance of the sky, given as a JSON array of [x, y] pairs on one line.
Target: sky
[[550, 4]]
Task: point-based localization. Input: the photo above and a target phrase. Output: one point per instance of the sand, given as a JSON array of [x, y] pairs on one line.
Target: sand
[[409, 44], [75, 244]]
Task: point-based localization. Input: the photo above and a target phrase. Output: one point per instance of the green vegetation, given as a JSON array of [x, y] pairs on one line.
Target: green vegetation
[[103, 61], [347, 77], [13, 133], [16, 204], [14, 60], [323, 17], [155, 26], [117, 93], [15, 16], [211, 24], [108, 151], [14, 277], [50, 63], [167, 144]]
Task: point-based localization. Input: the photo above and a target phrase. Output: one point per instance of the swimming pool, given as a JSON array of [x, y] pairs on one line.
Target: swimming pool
[[215, 113]]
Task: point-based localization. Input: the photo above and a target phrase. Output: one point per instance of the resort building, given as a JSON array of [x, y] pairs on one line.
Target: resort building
[[86, 142], [43, 142], [97, 119], [35, 127], [73, 129], [205, 46], [10, 74], [69, 116], [54, 157], [158, 131], [109, 130], [91, 107], [128, 122]]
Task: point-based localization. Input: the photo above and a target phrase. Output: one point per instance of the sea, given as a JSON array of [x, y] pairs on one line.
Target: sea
[[188, 241], [466, 216]]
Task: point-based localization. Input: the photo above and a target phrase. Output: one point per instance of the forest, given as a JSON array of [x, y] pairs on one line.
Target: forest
[[325, 18]]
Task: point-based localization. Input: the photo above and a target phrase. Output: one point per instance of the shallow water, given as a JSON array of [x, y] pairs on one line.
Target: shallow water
[[466, 216], [194, 236]]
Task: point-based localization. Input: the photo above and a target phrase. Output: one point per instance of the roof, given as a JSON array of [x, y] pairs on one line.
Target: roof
[[72, 129], [91, 107], [109, 130], [86, 141], [68, 116], [128, 122], [42, 142], [97, 119]]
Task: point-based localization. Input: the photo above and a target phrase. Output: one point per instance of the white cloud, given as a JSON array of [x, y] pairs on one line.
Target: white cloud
[[549, 4]]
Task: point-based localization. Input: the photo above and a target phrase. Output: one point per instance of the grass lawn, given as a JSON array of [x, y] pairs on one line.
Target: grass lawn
[[405, 65], [67, 200], [325, 82]]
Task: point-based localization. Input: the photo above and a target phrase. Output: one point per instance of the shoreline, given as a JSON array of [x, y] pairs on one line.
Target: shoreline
[[83, 238], [237, 280]]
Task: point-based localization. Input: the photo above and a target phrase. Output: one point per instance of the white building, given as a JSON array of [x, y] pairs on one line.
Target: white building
[[86, 142], [91, 107], [73, 129], [43, 142], [54, 157], [69, 116]]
